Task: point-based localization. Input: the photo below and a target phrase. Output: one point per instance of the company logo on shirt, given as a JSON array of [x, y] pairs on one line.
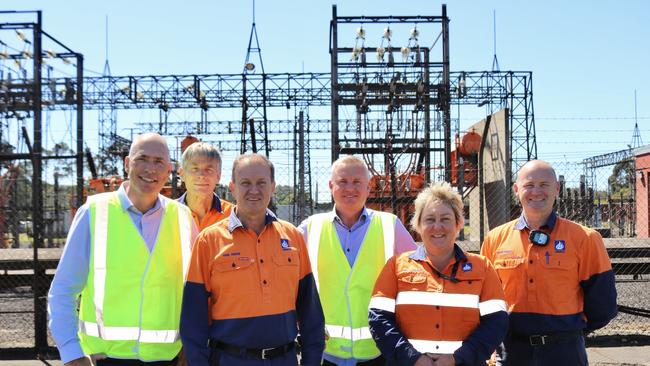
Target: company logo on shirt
[[467, 267], [284, 244], [560, 246]]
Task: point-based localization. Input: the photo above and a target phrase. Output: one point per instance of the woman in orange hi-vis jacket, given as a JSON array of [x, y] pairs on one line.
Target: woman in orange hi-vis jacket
[[438, 305]]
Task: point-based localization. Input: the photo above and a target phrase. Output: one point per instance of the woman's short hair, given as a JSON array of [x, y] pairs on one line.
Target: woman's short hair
[[201, 150], [438, 192]]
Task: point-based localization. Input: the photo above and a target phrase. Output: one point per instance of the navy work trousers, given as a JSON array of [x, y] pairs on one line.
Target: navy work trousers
[[519, 352]]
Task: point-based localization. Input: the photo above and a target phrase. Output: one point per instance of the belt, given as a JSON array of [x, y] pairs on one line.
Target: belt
[[544, 339], [259, 353]]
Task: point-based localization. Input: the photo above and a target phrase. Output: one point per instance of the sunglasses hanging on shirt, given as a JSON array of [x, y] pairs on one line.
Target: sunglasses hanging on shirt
[[538, 237]]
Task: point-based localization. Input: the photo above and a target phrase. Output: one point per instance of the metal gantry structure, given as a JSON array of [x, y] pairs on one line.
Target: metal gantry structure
[[24, 93], [402, 107]]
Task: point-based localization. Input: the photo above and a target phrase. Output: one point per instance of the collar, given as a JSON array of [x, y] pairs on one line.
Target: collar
[[216, 202], [364, 215], [234, 222], [550, 222], [420, 254], [127, 205]]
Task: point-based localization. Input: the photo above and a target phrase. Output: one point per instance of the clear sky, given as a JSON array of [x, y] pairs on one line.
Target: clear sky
[[587, 57]]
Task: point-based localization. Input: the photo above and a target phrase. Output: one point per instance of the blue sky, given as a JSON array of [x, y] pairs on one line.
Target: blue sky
[[587, 57]]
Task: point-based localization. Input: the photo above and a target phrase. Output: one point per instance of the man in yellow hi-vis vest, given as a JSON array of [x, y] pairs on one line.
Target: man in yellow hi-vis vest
[[126, 254], [348, 247]]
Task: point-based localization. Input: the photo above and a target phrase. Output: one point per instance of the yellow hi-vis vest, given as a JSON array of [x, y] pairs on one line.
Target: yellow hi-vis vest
[[345, 292], [131, 303]]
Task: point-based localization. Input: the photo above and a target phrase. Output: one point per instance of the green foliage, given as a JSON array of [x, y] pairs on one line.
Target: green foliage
[[622, 179]]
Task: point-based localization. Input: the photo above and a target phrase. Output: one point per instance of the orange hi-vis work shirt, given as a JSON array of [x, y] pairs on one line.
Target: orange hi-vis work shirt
[[252, 291], [416, 309], [564, 285], [219, 210]]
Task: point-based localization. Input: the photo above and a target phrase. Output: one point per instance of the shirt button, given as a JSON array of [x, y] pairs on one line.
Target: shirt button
[[348, 250], [234, 265], [437, 326], [437, 307], [261, 260], [289, 259], [258, 241], [264, 282], [531, 280], [531, 261]]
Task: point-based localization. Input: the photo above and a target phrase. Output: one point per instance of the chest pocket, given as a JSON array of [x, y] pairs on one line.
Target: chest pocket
[[230, 272], [511, 274], [561, 279], [288, 260], [411, 281]]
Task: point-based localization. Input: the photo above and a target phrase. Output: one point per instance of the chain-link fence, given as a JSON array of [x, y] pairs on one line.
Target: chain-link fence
[[603, 199]]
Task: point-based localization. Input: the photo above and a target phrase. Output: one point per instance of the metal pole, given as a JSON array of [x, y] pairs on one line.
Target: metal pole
[[39, 285], [301, 166], [80, 130], [334, 84], [481, 177], [446, 112]]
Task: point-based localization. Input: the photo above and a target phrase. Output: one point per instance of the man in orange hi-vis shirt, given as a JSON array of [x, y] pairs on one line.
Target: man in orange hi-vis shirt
[[201, 172], [250, 286], [556, 275]]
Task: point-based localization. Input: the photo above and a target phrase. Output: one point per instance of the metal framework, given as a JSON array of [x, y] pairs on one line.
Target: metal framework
[[492, 89], [392, 101], [23, 98]]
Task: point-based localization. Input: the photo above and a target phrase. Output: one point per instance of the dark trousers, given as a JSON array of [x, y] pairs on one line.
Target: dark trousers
[[119, 362], [570, 351], [379, 361]]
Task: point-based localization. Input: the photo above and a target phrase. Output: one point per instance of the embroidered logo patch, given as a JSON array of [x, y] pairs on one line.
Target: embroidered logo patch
[[284, 244], [467, 267], [560, 246]]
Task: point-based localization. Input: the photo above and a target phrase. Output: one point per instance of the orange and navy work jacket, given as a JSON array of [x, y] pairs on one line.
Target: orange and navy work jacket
[[565, 285], [416, 309], [251, 291], [219, 210]]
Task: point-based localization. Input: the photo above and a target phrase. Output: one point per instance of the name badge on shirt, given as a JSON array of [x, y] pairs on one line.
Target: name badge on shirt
[[467, 267], [560, 246], [284, 244]]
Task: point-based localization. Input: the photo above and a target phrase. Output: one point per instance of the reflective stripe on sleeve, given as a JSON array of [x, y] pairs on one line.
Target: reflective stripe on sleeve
[[437, 298], [128, 333], [354, 334], [446, 347], [491, 306], [382, 303]]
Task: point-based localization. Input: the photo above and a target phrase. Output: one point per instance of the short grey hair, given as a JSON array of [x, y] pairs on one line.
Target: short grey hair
[[253, 157], [350, 160], [201, 150]]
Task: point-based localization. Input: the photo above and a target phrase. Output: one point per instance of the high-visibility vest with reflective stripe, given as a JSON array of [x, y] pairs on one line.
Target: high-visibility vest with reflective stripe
[[130, 307], [345, 292]]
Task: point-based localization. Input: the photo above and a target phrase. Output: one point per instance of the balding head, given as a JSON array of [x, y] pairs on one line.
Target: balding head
[[152, 139], [536, 188], [148, 168], [537, 166]]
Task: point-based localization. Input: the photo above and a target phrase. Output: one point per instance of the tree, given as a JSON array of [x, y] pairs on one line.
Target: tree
[[622, 179]]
